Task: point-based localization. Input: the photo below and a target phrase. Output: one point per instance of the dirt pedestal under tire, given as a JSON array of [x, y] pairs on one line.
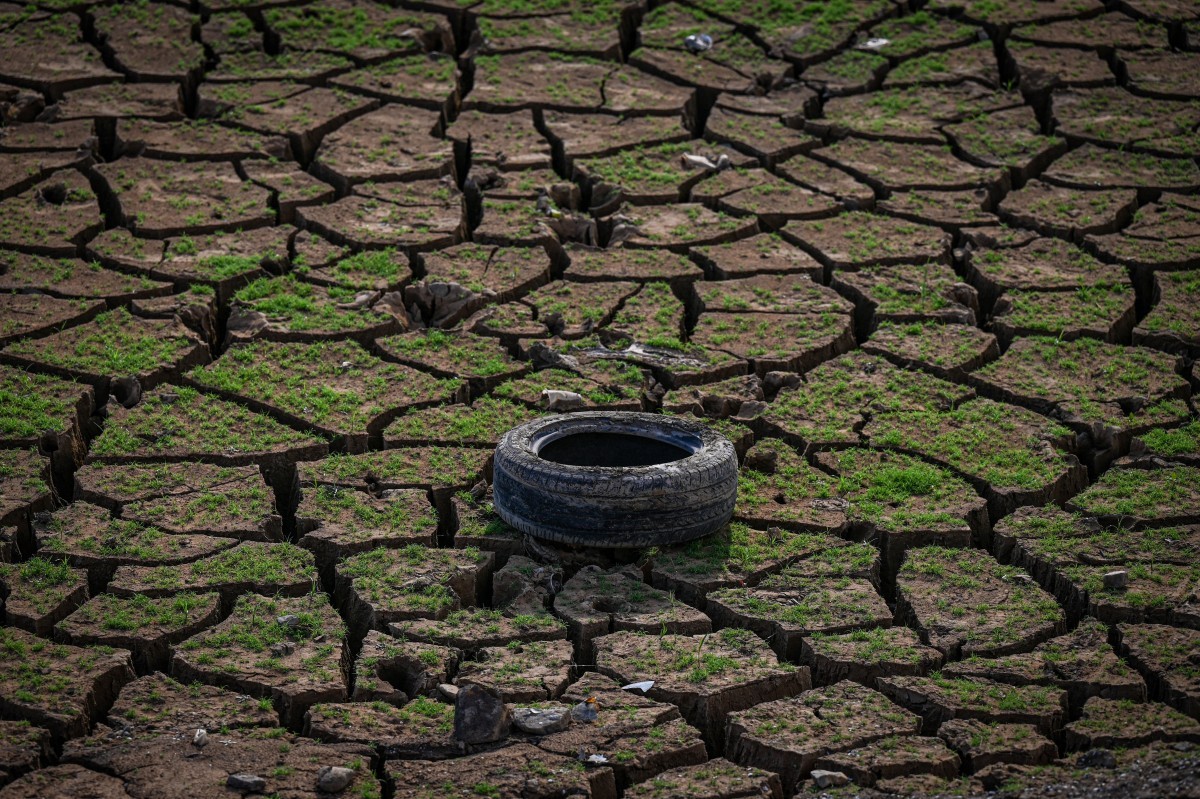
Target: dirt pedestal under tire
[[615, 479]]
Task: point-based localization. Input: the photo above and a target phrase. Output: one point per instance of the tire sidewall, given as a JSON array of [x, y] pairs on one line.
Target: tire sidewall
[[615, 506]]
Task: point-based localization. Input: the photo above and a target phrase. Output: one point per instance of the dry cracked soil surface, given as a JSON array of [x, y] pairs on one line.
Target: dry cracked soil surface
[[276, 275]]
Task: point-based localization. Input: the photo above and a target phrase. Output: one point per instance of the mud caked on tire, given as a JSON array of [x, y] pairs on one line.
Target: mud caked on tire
[[613, 479]]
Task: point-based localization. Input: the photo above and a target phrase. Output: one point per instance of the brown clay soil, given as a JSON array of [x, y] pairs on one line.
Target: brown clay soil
[[277, 275]]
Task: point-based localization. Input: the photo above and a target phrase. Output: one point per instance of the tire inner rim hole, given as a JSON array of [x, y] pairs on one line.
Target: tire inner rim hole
[[611, 449]]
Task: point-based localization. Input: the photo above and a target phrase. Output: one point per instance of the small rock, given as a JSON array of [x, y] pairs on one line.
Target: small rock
[[698, 42], [829, 779], [623, 231], [541, 721], [1096, 758], [274, 263], [25, 108], [1022, 578], [586, 711], [334, 779], [290, 621], [480, 715], [1117, 579], [128, 391], [750, 409], [284, 648], [246, 782], [523, 586], [200, 739], [449, 691], [773, 382], [761, 460], [361, 300], [1183, 746]]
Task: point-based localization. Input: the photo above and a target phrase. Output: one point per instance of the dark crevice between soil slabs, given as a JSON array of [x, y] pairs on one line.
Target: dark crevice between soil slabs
[[284, 480], [110, 208], [627, 29]]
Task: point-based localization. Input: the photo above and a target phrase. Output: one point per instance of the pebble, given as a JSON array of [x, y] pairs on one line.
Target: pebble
[[750, 408], [1096, 758], [289, 621], [541, 721], [246, 782], [586, 711], [1117, 579], [829, 779], [334, 779]]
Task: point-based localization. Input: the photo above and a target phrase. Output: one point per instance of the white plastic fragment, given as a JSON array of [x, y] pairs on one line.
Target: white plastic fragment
[[692, 161], [877, 43], [696, 161], [561, 400], [643, 686]]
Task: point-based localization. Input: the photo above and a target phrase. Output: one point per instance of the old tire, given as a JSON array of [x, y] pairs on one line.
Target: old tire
[[615, 505]]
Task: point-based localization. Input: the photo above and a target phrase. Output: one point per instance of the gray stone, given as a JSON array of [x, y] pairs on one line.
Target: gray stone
[[290, 620], [829, 779], [334, 779], [1117, 579], [246, 782], [750, 409], [762, 460], [585, 711], [541, 721], [480, 715], [1096, 758], [524, 586]]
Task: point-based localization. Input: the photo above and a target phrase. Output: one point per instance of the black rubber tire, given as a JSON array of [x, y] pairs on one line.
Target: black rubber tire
[[611, 506]]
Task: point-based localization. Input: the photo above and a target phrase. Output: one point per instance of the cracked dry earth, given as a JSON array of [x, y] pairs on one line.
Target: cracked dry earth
[[276, 275]]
